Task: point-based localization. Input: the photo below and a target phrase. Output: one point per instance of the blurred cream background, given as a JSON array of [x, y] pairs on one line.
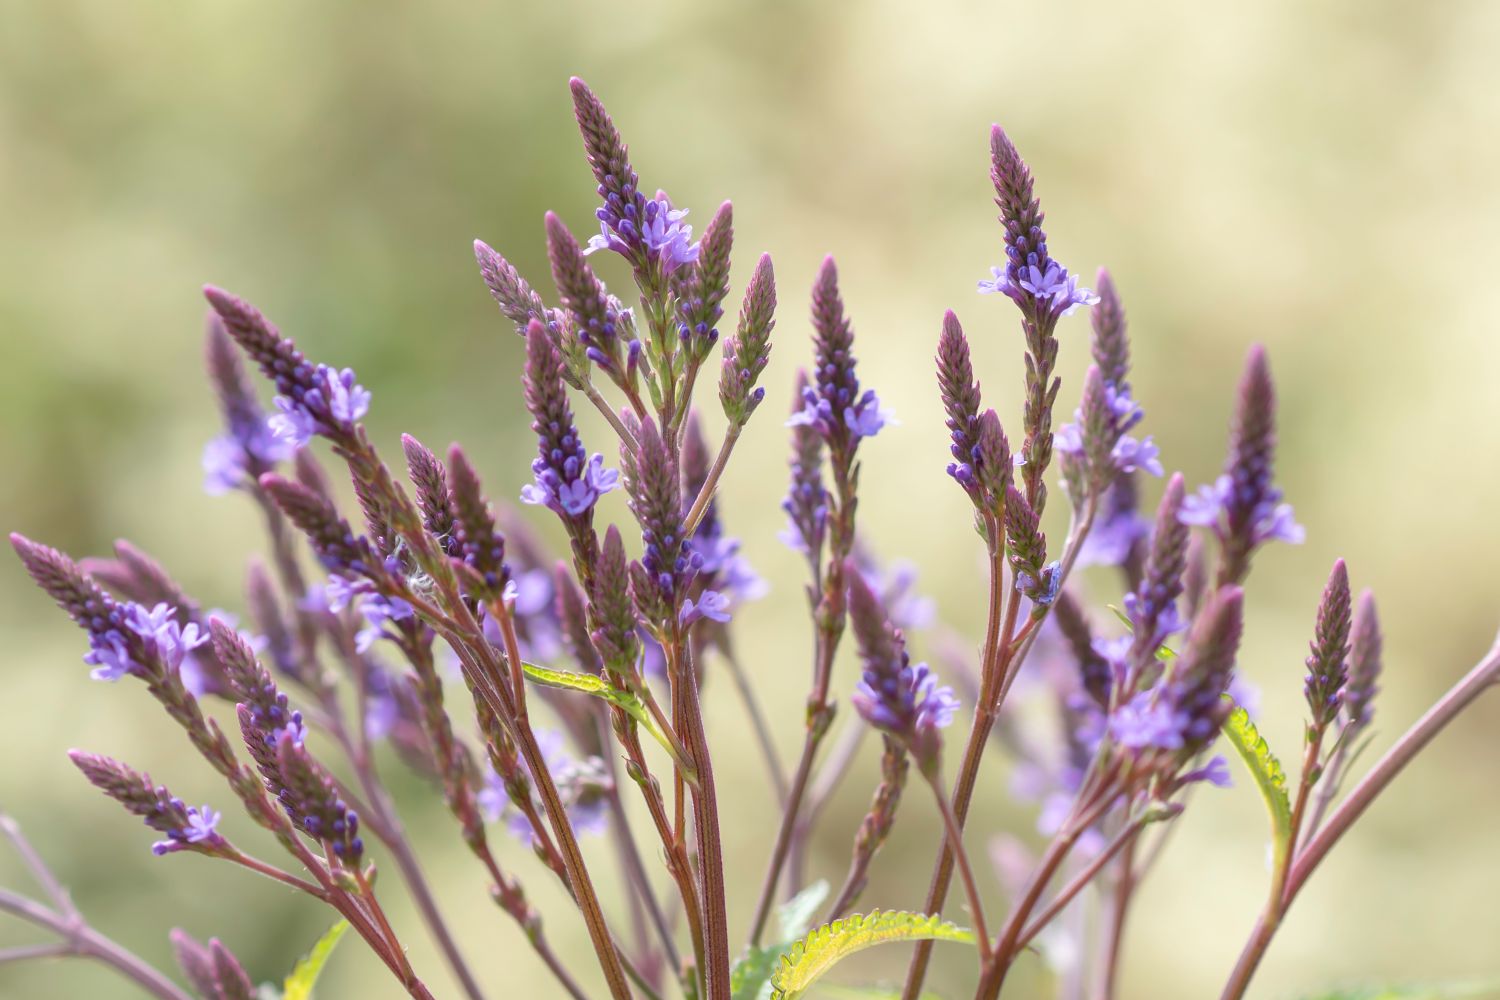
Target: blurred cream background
[[1321, 177]]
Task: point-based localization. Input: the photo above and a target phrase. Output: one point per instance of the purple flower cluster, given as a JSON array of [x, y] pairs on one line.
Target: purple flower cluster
[[833, 404], [568, 480]]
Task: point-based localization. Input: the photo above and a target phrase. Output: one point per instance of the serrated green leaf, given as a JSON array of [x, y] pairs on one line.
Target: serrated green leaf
[[866, 993], [1431, 991], [299, 985], [596, 686], [750, 979], [815, 954], [1269, 777]]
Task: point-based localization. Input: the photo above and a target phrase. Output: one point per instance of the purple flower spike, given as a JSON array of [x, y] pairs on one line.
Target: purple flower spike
[[1327, 669], [668, 563], [1242, 506], [517, 300], [895, 697], [702, 288], [1041, 286], [834, 405], [806, 504], [247, 449], [596, 316], [748, 351], [568, 481], [1364, 666], [186, 828]]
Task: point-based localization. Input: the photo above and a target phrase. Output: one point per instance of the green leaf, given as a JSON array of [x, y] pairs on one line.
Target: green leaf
[[627, 701], [299, 985], [866, 993], [1432, 991], [750, 979], [1269, 778], [815, 954]]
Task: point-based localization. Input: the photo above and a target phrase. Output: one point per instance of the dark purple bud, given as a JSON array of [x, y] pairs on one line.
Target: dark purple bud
[[1094, 671], [311, 800], [748, 351], [1152, 607], [566, 479], [1027, 550], [894, 696], [434, 500], [517, 300], [337, 547], [185, 828], [834, 405], [1327, 667], [480, 544], [995, 463], [211, 969], [74, 591], [611, 610], [1364, 666], [806, 504], [1111, 345], [595, 314], [623, 204], [703, 286], [653, 485], [1202, 675], [960, 395]]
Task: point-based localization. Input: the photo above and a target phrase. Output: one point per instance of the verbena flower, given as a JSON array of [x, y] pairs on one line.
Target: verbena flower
[[567, 479], [187, 828], [833, 403], [1038, 284], [894, 696]]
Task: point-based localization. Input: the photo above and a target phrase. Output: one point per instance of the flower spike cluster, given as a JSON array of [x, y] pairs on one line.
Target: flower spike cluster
[[568, 480], [833, 404]]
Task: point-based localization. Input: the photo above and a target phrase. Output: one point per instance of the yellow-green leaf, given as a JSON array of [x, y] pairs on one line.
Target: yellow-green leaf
[[750, 979], [1432, 991], [1269, 777], [299, 985], [627, 701], [815, 954]]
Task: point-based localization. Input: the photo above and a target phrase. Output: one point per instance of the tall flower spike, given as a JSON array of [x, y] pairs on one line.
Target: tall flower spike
[[611, 610], [748, 351], [1153, 606], [211, 969], [481, 545], [659, 581], [1364, 666], [1035, 577], [892, 695], [995, 463], [702, 288], [186, 828], [1327, 667], [1041, 286], [1202, 675], [247, 449], [338, 548], [313, 400], [834, 404], [1242, 506], [596, 316], [806, 503], [311, 799], [1111, 345], [568, 480], [960, 395], [434, 499], [518, 301], [643, 230]]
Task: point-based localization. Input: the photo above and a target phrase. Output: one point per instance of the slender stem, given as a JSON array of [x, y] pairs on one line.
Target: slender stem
[[37, 866], [711, 483], [710, 843], [1114, 938], [758, 724], [602, 405], [26, 952], [635, 870], [578, 875], [82, 940], [1412, 742], [1078, 882], [966, 872], [830, 775], [783, 837], [272, 872], [1328, 787]]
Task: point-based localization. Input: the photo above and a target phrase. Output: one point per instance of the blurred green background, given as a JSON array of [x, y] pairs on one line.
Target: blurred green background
[[1324, 178]]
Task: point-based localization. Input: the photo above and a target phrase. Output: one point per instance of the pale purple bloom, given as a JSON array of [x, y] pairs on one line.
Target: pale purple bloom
[[1273, 520], [334, 403], [864, 418], [1215, 772], [1147, 721], [573, 493], [202, 828], [108, 656], [660, 230], [712, 605], [1050, 286], [1112, 540], [161, 634], [1129, 455]]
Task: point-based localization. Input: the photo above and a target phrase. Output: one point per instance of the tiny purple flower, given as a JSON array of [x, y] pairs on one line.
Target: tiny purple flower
[[333, 405], [1147, 721], [202, 828], [712, 605]]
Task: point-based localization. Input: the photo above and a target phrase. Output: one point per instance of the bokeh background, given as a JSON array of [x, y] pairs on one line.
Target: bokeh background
[[1323, 178]]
